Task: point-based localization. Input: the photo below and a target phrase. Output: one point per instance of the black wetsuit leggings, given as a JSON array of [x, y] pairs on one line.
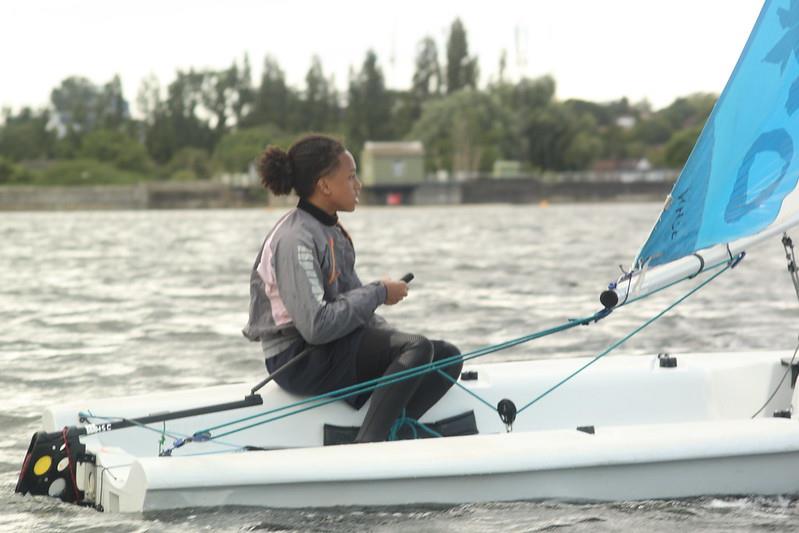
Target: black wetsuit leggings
[[384, 351]]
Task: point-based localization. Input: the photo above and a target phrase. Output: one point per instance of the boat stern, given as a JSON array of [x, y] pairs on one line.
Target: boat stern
[[51, 465]]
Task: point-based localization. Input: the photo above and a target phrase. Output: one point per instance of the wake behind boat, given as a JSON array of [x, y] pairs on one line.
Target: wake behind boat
[[597, 428]]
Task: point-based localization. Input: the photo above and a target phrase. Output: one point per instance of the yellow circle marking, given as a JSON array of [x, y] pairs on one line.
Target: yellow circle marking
[[42, 465]]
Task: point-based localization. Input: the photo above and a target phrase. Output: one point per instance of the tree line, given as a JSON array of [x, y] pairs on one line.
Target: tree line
[[207, 122]]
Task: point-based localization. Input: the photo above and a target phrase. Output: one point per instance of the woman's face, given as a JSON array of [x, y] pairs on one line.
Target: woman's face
[[341, 187]]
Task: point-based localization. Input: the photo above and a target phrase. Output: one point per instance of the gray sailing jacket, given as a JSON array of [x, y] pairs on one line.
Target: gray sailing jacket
[[303, 284]]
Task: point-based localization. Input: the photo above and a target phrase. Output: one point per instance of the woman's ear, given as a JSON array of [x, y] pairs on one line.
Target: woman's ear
[[323, 186]]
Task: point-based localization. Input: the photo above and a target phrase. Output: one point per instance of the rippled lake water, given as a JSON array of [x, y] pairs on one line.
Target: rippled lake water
[[118, 303]]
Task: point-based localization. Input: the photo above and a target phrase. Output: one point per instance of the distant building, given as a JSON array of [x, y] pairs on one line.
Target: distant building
[[240, 179], [626, 122], [621, 165], [392, 163], [57, 125], [507, 169]]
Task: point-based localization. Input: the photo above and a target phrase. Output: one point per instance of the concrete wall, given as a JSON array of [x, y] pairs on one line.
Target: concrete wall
[[437, 194], [217, 195], [140, 196], [528, 190], [26, 198]]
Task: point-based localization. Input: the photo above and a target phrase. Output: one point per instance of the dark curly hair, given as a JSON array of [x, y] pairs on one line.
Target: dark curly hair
[[307, 160]]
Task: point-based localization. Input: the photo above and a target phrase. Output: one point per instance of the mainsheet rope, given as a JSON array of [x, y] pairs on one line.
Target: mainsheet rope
[[613, 346], [630, 335], [382, 381]]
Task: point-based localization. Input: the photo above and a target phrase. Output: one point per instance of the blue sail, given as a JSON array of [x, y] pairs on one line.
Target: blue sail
[[745, 161]]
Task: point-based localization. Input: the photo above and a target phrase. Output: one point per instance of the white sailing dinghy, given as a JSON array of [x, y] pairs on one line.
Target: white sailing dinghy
[[725, 429]]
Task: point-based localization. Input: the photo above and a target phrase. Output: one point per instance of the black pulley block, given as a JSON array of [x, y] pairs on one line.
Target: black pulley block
[[507, 411]]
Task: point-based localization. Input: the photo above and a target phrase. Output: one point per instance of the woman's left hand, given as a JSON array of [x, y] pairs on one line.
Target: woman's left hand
[[396, 291]]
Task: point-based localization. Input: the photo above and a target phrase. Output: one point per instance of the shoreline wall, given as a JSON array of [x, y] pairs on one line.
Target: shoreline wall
[[522, 191], [194, 195]]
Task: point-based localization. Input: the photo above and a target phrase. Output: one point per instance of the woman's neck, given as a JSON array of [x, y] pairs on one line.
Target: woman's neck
[[321, 201], [318, 212]]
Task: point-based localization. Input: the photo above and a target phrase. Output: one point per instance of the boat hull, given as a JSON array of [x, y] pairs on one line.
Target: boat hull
[[629, 429], [624, 464]]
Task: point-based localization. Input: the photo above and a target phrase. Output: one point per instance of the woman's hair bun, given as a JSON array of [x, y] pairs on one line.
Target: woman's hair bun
[[275, 170]]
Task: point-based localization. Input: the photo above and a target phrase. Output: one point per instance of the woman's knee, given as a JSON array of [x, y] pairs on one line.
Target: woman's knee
[[445, 350], [418, 351]]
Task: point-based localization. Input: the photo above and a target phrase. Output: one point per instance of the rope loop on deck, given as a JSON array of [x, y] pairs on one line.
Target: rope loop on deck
[[413, 424]]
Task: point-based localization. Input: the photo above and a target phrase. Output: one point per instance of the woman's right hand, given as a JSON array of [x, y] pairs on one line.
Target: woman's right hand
[[395, 291]]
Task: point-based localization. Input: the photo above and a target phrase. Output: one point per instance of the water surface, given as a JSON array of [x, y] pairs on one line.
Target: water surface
[[116, 303]]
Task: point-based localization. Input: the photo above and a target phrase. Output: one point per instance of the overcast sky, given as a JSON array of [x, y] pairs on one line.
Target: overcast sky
[[596, 49]]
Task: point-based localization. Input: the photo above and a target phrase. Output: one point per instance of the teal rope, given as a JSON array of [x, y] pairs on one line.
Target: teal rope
[[413, 423], [171, 434], [494, 408], [474, 394], [321, 401], [366, 386], [627, 337]]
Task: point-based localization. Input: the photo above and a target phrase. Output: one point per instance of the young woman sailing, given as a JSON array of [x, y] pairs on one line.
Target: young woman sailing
[[307, 301]]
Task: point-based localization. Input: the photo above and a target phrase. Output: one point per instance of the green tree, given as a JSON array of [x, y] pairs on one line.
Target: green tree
[[274, 102], [175, 122], [74, 103], [113, 110], [503, 66], [13, 174], [426, 84], [462, 70], [81, 106], [530, 93], [118, 148], [148, 98], [688, 110], [226, 95], [615, 143], [161, 139], [464, 132], [427, 74], [406, 109], [243, 103], [679, 146], [238, 149], [520, 100], [368, 112], [25, 135], [319, 107], [189, 163], [85, 172], [558, 138], [652, 131], [184, 102]]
